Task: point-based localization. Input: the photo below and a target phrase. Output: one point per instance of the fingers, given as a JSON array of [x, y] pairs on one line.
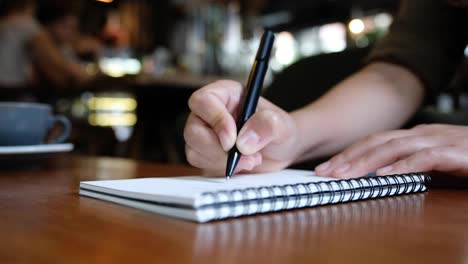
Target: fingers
[[263, 128], [203, 151], [199, 160], [388, 153], [214, 104], [200, 137], [211, 130], [340, 164], [450, 159], [424, 148], [217, 166]]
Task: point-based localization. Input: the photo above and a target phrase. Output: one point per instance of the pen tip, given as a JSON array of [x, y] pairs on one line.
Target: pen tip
[[233, 160], [229, 172]]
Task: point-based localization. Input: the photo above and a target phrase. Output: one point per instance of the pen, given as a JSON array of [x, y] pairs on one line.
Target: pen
[[249, 101]]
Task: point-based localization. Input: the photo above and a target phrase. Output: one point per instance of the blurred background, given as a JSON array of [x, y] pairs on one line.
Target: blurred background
[[123, 70]]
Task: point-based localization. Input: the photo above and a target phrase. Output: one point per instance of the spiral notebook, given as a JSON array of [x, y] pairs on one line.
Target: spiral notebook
[[204, 199]]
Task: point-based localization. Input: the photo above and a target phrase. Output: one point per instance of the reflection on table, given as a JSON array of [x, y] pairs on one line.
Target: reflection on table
[[45, 220], [276, 236]]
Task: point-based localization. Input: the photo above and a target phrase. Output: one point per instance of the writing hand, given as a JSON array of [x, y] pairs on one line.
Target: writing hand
[[266, 141]]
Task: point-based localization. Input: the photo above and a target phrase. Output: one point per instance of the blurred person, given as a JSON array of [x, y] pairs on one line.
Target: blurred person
[[61, 20], [88, 47], [26, 49], [357, 117], [17, 30]]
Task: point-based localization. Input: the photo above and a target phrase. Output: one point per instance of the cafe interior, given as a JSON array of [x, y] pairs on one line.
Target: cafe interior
[[137, 62], [141, 60], [121, 73]]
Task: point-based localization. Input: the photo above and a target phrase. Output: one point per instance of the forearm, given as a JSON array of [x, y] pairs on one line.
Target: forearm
[[379, 97], [50, 62]]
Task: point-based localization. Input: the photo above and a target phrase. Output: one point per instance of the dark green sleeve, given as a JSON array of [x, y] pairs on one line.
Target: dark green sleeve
[[428, 38]]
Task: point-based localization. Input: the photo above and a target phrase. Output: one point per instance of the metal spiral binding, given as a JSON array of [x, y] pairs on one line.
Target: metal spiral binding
[[315, 193]]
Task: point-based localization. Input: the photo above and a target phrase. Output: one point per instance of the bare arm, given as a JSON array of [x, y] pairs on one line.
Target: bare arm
[[380, 97], [52, 63]]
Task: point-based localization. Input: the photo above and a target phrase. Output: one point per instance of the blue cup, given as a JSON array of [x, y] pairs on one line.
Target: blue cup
[[28, 124]]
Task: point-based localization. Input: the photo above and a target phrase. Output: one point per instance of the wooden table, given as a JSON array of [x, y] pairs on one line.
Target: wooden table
[[44, 220]]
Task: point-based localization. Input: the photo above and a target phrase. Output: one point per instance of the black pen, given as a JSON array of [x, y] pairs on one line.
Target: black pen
[[249, 101]]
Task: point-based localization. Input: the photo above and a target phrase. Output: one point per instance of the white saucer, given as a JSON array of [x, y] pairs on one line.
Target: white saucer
[[35, 149], [19, 157]]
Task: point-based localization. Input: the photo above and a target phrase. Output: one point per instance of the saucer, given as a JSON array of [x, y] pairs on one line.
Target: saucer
[[34, 149], [24, 156]]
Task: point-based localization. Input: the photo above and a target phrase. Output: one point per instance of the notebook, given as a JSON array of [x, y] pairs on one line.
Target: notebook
[[204, 199]]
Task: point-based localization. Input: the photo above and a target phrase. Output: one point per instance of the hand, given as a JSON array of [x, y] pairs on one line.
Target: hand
[[424, 148], [267, 141]]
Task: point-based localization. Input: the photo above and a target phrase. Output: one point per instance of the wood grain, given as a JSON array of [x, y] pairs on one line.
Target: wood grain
[[44, 220]]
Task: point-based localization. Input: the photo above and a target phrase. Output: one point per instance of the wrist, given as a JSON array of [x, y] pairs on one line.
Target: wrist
[[311, 135]]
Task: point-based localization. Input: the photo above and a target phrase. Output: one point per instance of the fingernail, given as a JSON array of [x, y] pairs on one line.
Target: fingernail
[[227, 141], [258, 160], [323, 167], [385, 170], [248, 140], [248, 163], [343, 168], [252, 163]]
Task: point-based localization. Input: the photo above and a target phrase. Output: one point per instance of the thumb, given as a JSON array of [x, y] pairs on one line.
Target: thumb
[[264, 127]]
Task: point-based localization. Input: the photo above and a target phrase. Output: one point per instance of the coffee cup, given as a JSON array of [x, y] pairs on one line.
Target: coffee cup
[[29, 123]]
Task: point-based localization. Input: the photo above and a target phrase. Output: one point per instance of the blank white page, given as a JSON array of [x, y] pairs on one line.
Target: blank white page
[[185, 190]]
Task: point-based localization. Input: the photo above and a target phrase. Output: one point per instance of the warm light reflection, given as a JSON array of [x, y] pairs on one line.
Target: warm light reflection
[[356, 26], [105, 1], [112, 103], [383, 20], [112, 119], [285, 48], [333, 37], [118, 67]]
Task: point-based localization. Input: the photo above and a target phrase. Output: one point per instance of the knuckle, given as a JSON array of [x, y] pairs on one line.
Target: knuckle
[[186, 134], [400, 165], [218, 122], [430, 153], [202, 100], [368, 138], [345, 155], [228, 84], [338, 158], [196, 100], [363, 161], [272, 118], [403, 164], [191, 133], [372, 138], [348, 153], [397, 142], [193, 158], [232, 88]]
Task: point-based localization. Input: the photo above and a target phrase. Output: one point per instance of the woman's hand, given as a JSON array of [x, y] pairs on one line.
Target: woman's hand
[[268, 141], [424, 148]]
